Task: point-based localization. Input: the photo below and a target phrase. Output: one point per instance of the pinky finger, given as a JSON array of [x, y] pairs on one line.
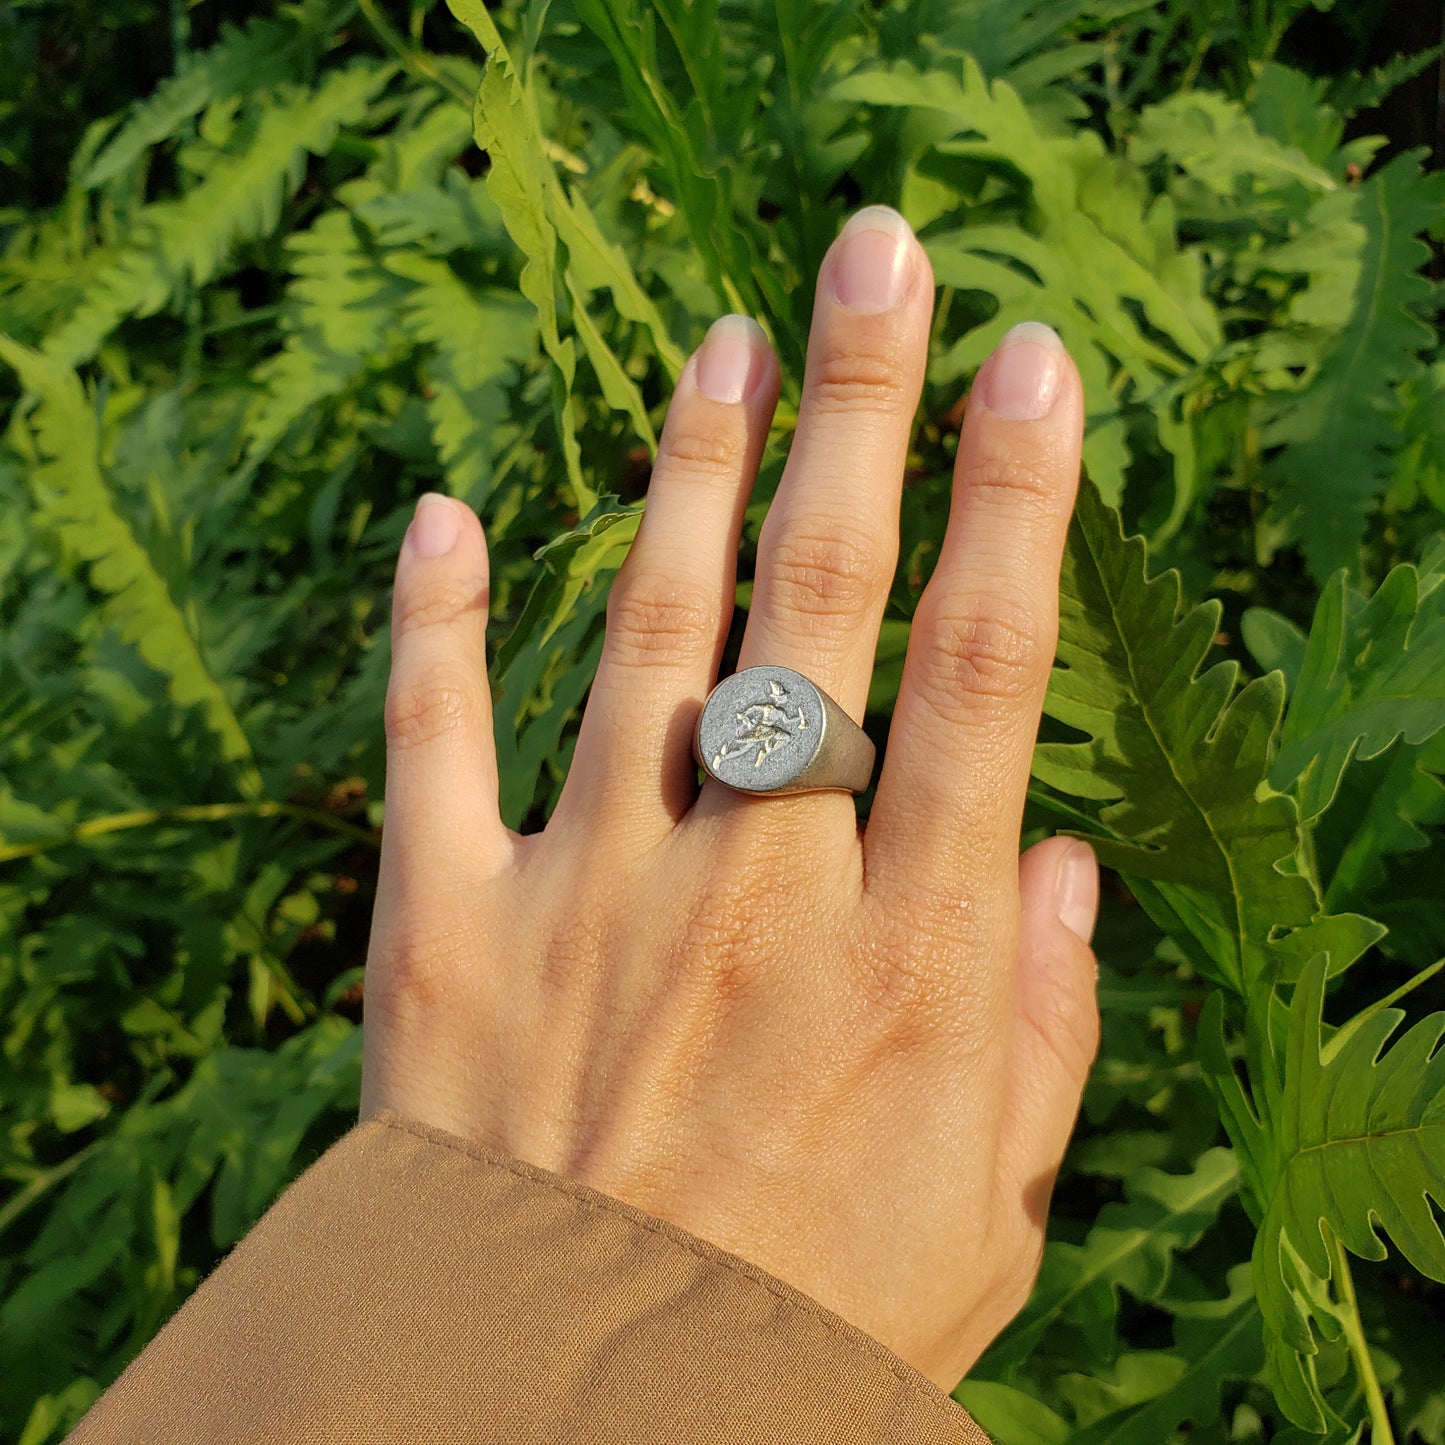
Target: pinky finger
[[1055, 1023]]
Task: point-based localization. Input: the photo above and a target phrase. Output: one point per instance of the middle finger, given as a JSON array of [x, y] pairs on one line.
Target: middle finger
[[830, 542]]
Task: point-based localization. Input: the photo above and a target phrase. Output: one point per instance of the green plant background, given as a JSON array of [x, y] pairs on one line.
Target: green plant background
[[270, 279]]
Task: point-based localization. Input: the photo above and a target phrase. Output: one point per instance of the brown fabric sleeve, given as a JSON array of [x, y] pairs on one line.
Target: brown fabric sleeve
[[413, 1286]]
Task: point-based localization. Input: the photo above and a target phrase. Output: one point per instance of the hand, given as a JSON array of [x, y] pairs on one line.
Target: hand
[[853, 1058]]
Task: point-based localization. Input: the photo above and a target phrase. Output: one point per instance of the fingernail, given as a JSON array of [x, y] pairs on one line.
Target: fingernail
[[1076, 891], [1020, 381], [435, 527], [732, 359], [874, 265]]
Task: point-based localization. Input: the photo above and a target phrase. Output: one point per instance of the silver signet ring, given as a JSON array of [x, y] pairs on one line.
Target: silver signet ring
[[770, 730]]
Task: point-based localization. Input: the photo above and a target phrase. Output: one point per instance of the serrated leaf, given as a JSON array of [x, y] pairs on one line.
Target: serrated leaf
[[1358, 1148], [1392, 806], [572, 563], [1373, 671], [525, 188], [244, 60], [1338, 435], [1097, 260], [1213, 1344], [1131, 1247], [1175, 756], [340, 308], [77, 503], [1356, 90], [480, 340], [187, 241], [545, 666], [1213, 140]]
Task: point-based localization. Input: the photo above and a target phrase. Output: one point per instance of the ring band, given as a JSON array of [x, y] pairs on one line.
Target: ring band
[[770, 730]]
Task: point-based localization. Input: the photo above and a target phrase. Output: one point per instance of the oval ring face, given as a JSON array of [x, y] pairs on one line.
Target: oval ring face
[[761, 728]]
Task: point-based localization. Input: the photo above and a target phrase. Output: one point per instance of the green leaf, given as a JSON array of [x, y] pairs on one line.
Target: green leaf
[[1354, 90], [1274, 642], [1131, 1247], [1359, 1147], [1095, 256], [73, 1106], [618, 388], [1178, 759], [1392, 806], [1339, 433], [77, 503], [573, 564], [340, 315], [595, 262], [1214, 141], [1010, 1416], [1373, 671], [701, 184], [1214, 1342], [188, 241], [524, 186], [263, 54], [481, 340], [545, 666]]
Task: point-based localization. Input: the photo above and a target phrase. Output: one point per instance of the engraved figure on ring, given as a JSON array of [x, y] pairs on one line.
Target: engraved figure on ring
[[764, 725]]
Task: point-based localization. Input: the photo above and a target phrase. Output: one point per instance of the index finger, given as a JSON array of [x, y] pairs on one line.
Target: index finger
[[949, 805]]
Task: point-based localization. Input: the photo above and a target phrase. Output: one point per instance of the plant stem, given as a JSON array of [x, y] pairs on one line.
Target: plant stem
[[1346, 1031], [17, 1204], [1381, 1431], [417, 61], [199, 813], [1391, 999]]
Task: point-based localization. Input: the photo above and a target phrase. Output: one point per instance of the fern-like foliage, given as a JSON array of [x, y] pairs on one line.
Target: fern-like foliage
[[1214, 140], [1177, 758], [1373, 671], [231, 1135], [244, 61], [567, 255], [340, 319], [477, 342], [1132, 1247], [1338, 436], [1099, 259], [185, 242], [293, 290], [1345, 1140], [73, 500]]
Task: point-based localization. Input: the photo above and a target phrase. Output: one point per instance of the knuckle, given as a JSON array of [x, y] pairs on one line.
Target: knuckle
[[1016, 482], [826, 575], [710, 454], [904, 987], [412, 973], [851, 381], [442, 601], [656, 618], [428, 703], [918, 978], [990, 648], [718, 944]]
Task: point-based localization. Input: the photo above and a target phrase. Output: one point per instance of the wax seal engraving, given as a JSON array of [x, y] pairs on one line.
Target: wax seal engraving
[[765, 725]]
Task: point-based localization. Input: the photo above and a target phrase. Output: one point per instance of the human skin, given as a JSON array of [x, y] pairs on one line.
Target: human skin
[[851, 1054]]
